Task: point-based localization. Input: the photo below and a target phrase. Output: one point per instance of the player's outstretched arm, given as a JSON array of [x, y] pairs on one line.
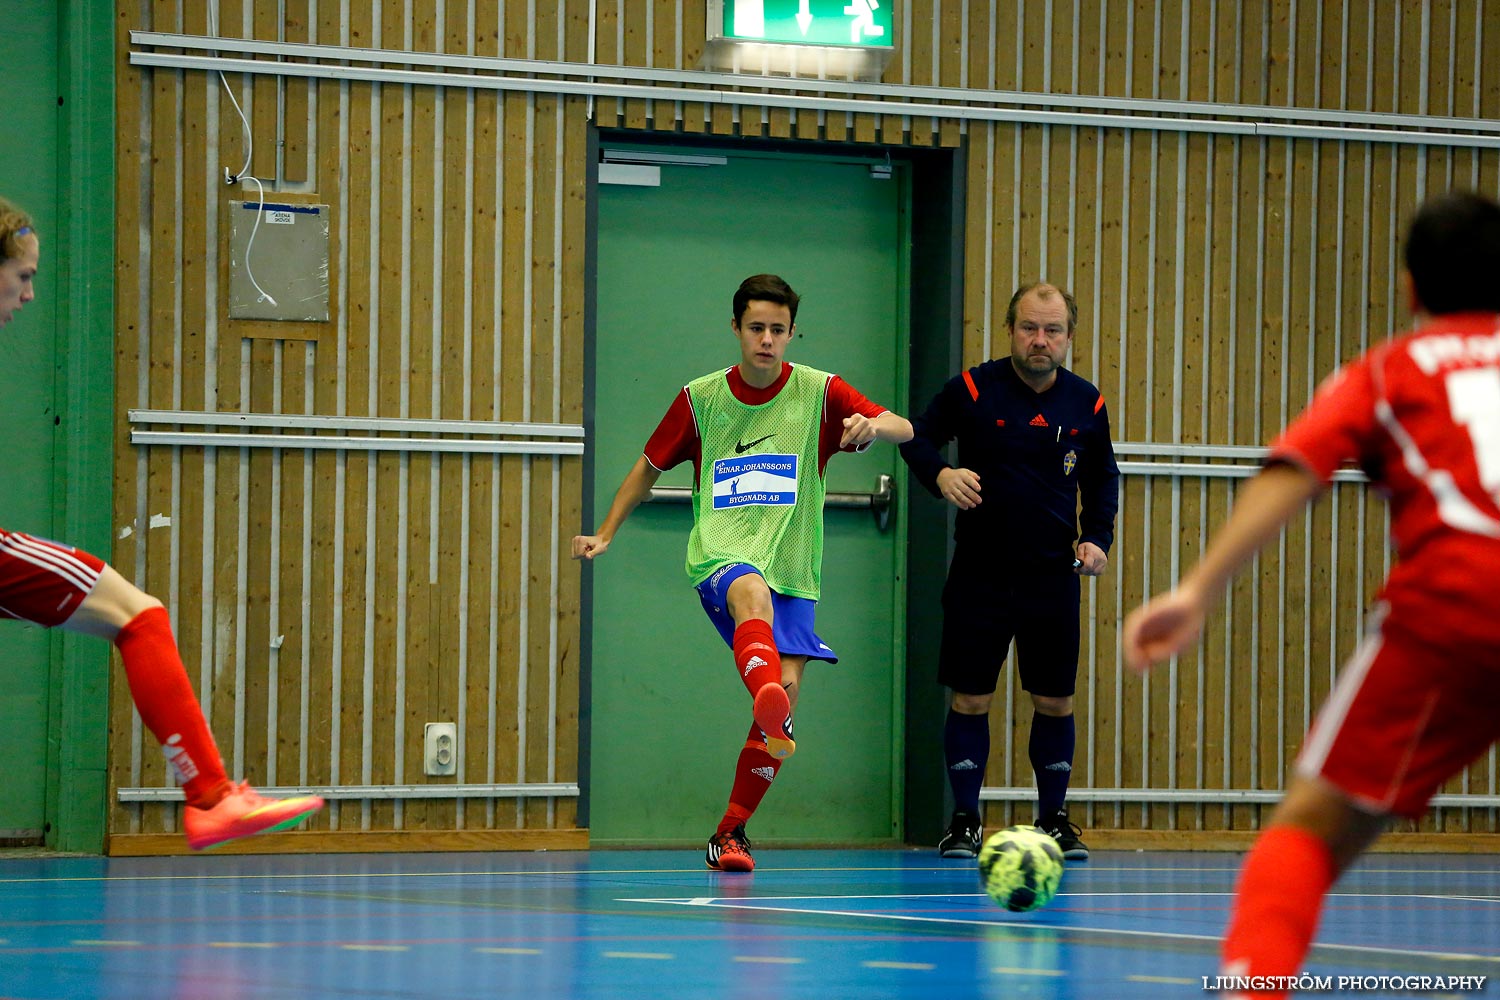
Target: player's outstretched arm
[[1167, 624], [635, 489]]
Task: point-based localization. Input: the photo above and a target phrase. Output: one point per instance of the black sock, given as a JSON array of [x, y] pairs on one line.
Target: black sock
[[966, 747], [1051, 749]]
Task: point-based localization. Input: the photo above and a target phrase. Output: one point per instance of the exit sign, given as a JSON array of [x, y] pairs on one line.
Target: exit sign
[[857, 23]]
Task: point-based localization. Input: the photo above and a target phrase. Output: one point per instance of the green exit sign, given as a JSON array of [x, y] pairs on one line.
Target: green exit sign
[[857, 23]]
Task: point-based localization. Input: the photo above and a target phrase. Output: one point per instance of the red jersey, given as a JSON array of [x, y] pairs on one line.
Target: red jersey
[[1421, 415], [676, 439]]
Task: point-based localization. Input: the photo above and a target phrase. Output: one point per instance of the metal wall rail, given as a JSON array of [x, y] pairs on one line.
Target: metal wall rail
[[956, 109], [1200, 796], [1181, 470], [345, 442], [382, 793], [299, 421], [1247, 461], [703, 79]]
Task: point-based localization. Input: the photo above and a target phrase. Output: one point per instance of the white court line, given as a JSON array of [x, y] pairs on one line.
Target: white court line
[[733, 900], [725, 903]]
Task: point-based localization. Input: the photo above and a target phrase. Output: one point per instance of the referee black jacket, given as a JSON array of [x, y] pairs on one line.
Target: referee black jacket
[[1036, 453]]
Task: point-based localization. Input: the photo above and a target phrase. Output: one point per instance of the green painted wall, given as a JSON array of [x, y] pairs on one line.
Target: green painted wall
[[29, 176], [56, 160]]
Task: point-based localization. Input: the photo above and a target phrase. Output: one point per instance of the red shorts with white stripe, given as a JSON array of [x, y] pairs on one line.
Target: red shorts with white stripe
[[41, 581], [1404, 716]]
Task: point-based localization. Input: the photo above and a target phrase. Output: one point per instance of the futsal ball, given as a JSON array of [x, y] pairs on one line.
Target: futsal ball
[[1020, 868]]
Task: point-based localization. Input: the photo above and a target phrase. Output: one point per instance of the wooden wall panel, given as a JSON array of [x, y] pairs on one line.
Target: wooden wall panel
[[330, 603]]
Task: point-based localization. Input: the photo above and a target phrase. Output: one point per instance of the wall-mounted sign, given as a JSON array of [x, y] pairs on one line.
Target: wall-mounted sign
[[808, 22], [801, 37]]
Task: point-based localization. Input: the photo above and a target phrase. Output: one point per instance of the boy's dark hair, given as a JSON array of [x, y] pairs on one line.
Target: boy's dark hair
[[1453, 253], [764, 288]]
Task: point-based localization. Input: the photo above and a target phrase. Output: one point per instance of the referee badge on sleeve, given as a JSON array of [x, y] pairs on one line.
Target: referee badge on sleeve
[[1069, 461]]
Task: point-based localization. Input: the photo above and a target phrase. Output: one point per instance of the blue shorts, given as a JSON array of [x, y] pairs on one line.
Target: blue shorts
[[792, 622]]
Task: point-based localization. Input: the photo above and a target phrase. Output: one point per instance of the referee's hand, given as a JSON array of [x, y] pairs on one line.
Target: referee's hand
[[960, 487], [1090, 560]]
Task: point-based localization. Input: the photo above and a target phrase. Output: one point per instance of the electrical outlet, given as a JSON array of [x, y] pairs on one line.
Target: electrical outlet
[[440, 740]]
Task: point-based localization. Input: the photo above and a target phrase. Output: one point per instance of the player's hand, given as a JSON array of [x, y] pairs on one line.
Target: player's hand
[[859, 430], [1091, 560], [1162, 628], [588, 546], [960, 487]]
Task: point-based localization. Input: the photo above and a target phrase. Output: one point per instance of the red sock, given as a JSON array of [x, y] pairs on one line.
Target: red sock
[[755, 655], [159, 685], [1277, 903], [753, 774]]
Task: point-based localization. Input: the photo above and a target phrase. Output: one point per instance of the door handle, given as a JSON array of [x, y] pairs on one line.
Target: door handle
[[879, 502]]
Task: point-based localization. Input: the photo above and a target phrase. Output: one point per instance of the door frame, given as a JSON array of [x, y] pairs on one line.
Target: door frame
[[934, 263]]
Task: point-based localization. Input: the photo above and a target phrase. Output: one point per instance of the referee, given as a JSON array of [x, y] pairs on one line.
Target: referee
[[1036, 487]]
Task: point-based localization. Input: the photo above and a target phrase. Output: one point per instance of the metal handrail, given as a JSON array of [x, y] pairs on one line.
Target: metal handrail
[[879, 501]]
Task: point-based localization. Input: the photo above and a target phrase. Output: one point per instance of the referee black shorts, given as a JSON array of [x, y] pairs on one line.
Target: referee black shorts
[[986, 606]]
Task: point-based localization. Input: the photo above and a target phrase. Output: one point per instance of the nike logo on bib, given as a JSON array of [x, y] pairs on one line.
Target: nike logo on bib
[[740, 448]]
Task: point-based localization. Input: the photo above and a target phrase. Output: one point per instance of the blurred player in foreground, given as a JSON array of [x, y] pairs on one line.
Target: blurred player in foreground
[[1416, 703], [55, 585]]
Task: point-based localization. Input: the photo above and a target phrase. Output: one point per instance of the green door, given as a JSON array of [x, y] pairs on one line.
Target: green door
[[28, 407], [668, 713]]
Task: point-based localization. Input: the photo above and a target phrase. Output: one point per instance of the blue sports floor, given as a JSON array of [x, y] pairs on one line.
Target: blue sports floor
[[809, 924]]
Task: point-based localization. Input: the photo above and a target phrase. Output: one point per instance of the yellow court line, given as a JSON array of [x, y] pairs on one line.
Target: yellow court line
[[1169, 980], [915, 966], [375, 947], [769, 959], [659, 956], [1007, 971], [509, 951], [84, 943]]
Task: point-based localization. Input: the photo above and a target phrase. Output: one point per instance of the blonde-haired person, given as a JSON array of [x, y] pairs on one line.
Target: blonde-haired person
[[58, 586]]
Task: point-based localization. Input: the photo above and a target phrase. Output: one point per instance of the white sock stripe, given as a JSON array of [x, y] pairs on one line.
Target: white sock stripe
[[53, 558]]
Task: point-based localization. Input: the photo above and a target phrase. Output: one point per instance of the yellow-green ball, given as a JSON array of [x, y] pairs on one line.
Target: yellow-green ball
[[1020, 868]]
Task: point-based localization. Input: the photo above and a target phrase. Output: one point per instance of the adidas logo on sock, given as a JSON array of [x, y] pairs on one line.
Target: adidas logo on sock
[[182, 764], [965, 765], [1061, 765], [764, 772], [754, 662]]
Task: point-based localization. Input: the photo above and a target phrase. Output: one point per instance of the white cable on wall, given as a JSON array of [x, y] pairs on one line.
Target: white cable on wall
[[243, 174]]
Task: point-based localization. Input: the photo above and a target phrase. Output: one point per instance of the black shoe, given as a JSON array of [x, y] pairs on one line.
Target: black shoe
[[962, 839], [1066, 834]]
